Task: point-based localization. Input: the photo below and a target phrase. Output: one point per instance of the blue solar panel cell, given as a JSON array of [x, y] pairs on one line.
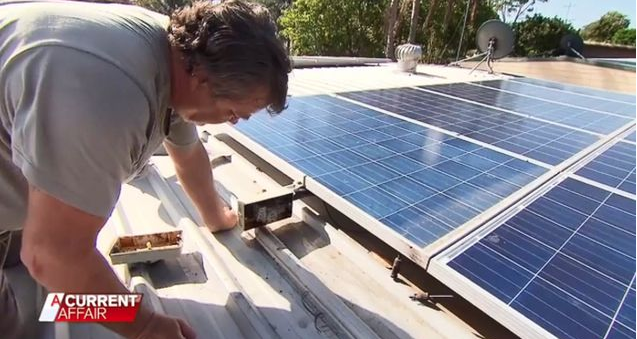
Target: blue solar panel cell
[[373, 151], [619, 331], [584, 284], [628, 185], [350, 141], [345, 158], [535, 226], [402, 165], [571, 116], [558, 213], [575, 99], [408, 190], [421, 227], [608, 235], [343, 182], [316, 166], [566, 262], [494, 185], [474, 196], [512, 175], [494, 272], [626, 315], [457, 170], [624, 205], [376, 202], [375, 173], [477, 162], [435, 179], [615, 167], [518, 248], [400, 146], [630, 137], [616, 217], [573, 200], [613, 264], [526, 136], [390, 168], [320, 146], [559, 313], [447, 209], [577, 89], [425, 157]]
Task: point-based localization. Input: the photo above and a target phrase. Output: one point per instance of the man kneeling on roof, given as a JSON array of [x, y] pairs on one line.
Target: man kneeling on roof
[[88, 93]]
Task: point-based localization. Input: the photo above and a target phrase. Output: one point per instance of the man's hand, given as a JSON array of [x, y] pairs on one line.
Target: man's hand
[[58, 249], [195, 174], [221, 220]]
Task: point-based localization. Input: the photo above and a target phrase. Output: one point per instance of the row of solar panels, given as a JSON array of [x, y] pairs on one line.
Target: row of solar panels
[[425, 168]]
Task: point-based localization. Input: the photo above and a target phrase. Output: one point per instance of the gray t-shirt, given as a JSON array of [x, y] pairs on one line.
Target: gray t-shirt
[[84, 102]]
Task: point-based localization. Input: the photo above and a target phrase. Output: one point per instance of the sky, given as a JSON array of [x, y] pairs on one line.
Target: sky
[[583, 12]]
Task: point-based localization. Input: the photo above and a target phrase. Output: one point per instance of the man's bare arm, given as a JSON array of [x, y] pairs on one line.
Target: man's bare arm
[[58, 249], [194, 172]]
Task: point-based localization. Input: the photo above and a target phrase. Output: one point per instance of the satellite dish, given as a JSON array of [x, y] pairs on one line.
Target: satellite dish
[[572, 45], [497, 35], [495, 40]]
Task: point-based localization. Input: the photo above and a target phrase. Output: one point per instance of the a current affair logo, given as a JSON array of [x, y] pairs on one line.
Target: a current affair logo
[[61, 307]]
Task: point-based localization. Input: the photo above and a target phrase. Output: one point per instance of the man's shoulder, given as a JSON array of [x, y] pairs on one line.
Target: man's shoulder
[[129, 37], [75, 86]]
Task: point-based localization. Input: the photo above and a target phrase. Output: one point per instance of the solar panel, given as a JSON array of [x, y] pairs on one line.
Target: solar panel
[[627, 98], [539, 140], [615, 167], [574, 99], [559, 265], [567, 115], [417, 181], [630, 137]]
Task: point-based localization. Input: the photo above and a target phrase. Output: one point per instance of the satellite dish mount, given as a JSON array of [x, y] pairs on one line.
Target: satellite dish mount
[[495, 40], [572, 45]]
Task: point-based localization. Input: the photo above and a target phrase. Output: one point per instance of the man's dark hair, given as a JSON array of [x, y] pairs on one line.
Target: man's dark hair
[[236, 43]]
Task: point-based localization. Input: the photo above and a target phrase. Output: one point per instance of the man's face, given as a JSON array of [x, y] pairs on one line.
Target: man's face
[[203, 108]]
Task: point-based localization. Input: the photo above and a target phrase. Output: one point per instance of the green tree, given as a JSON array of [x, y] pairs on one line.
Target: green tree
[[445, 26], [539, 35], [514, 9], [335, 28], [162, 6], [390, 29], [605, 28], [624, 36], [275, 7]]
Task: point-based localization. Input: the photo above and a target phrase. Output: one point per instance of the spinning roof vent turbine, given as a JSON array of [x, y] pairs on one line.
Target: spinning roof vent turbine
[[408, 56], [572, 45], [494, 40]]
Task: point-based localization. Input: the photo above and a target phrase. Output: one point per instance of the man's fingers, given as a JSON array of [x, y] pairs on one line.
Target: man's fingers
[[186, 330]]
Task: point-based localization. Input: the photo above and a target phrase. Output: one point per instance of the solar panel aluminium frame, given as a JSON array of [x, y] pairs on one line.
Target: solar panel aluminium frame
[[421, 256], [497, 309]]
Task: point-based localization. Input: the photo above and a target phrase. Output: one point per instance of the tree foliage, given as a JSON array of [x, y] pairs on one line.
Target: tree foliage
[[441, 37], [335, 28], [275, 7], [624, 36], [162, 6], [540, 36], [513, 10], [605, 28]]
